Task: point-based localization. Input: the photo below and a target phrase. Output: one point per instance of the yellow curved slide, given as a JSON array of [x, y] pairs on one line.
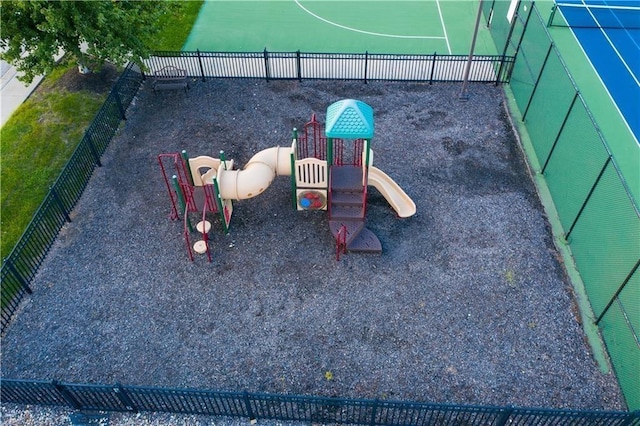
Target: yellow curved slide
[[397, 198]]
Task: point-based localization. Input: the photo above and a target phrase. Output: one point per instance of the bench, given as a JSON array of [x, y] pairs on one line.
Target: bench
[[170, 78]]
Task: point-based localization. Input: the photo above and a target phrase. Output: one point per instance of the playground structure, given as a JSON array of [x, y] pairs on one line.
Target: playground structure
[[329, 171]]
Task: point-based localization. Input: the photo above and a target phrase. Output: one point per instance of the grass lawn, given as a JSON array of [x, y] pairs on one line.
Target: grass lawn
[[40, 136], [36, 143], [177, 25]]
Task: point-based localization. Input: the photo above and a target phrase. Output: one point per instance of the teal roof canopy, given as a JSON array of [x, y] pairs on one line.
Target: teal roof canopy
[[349, 119]]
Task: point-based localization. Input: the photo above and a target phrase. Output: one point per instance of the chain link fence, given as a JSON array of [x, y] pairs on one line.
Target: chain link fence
[[599, 215]]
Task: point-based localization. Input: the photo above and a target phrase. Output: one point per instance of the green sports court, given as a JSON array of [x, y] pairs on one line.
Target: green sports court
[[409, 27]]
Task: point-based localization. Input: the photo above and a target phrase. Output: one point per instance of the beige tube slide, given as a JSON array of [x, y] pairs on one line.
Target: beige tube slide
[[257, 174]]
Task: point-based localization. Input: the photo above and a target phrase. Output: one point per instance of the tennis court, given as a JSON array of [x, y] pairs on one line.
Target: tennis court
[[411, 27], [609, 33]]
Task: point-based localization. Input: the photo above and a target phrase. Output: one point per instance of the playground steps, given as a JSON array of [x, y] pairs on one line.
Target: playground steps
[[348, 209], [346, 178], [359, 238], [347, 193]]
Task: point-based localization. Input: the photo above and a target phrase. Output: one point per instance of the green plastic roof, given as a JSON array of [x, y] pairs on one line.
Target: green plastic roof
[[349, 119]]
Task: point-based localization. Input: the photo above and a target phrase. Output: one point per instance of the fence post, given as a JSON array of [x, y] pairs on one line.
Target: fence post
[[124, 398], [508, 41], [498, 76], [116, 95], [564, 122], [632, 416], [493, 3], [247, 403], [433, 67], [67, 395], [502, 60], [366, 63], [535, 86], [463, 92], [622, 286], [554, 9], [586, 200], [267, 71], [374, 412], [19, 277], [93, 150], [299, 65], [200, 63], [510, 34], [526, 25], [58, 201], [505, 413]]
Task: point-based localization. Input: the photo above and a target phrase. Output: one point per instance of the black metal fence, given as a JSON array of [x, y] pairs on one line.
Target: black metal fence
[[336, 66], [20, 267], [315, 409]]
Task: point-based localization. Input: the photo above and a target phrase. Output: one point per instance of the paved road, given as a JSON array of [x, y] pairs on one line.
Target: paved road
[[12, 91]]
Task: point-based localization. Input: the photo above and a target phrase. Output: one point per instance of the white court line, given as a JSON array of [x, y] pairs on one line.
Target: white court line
[[344, 27], [604, 33], [443, 26], [613, 101]]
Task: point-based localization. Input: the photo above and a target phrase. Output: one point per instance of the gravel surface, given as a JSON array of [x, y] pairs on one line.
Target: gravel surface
[[21, 415], [468, 302]]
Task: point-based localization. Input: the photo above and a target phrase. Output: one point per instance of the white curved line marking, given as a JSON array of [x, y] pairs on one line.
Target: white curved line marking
[[344, 27]]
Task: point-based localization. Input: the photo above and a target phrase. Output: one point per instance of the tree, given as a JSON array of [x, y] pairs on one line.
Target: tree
[[33, 33]]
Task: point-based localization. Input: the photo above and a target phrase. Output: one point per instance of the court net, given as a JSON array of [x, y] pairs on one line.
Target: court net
[[595, 16]]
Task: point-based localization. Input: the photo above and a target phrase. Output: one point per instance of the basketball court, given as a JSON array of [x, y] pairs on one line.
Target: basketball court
[[408, 27]]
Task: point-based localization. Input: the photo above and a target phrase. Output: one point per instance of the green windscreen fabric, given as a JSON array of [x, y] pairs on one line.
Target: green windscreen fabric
[[532, 55], [550, 104], [620, 327], [591, 196], [606, 240], [575, 164]]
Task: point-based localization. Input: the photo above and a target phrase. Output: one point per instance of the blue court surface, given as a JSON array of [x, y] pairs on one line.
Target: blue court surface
[[609, 33]]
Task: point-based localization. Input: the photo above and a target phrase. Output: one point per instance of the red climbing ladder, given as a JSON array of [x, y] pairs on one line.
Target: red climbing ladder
[[209, 205], [175, 169], [312, 136], [190, 198]]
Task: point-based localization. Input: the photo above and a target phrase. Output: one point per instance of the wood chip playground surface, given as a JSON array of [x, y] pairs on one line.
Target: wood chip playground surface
[[467, 303]]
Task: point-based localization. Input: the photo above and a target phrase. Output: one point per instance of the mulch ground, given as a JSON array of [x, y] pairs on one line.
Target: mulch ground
[[468, 303]]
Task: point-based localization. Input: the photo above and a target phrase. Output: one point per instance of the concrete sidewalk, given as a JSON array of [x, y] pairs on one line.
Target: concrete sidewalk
[[13, 92]]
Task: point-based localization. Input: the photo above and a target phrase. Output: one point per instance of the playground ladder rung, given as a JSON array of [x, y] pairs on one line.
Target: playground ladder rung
[[203, 226], [200, 247]]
